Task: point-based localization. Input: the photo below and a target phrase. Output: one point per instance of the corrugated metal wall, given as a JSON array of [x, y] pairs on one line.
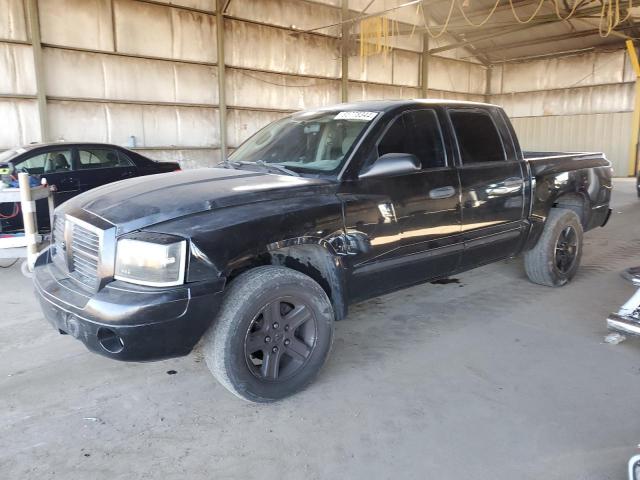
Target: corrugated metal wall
[[113, 69], [581, 103], [607, 132]]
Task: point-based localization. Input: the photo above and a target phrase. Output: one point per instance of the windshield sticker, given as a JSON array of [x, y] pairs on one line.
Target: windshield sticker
[[361, 116]]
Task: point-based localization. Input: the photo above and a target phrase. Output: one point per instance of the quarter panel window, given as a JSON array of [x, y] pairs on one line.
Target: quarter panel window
[[101, 158], [418, 133], [478, 137]]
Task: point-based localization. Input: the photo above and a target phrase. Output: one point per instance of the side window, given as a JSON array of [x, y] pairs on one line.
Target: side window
[[418, 133], [50, 162], [478, 137], [102, 158]]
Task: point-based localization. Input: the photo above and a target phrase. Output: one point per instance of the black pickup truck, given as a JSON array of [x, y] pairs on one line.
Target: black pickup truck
[[256, 259]]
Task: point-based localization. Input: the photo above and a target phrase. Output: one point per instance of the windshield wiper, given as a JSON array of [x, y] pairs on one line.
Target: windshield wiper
[[261, 163], [278, 167]]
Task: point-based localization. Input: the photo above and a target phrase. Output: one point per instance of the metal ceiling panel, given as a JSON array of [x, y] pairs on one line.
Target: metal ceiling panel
[[596, 99], [90, 75], [374, 68], [457, 76], [158, 31], [406, 68], [610, 132], [13, 24], [269, 90], [16, 66], [364, 91], [288, 13], [77, 23], [260, 47], [152, 125], [564, 72], [19, 124], [205, 5]]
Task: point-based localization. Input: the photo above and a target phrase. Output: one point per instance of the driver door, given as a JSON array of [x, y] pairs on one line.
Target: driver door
[[406, 227]]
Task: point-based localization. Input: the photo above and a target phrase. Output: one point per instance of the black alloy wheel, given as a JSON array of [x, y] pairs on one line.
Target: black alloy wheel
[[280, 339], [272, 334], [566, 251]]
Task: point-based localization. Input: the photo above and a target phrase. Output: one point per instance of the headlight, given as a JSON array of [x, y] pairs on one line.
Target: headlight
[[151, 259]]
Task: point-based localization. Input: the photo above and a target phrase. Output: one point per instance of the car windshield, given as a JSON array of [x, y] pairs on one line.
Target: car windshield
[[308, 142]]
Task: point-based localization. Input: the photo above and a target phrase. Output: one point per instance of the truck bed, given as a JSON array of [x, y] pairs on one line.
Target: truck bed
[[544, 163]]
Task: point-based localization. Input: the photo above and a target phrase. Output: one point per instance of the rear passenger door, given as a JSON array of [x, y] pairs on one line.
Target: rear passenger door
[[492, 183], [98, 166]]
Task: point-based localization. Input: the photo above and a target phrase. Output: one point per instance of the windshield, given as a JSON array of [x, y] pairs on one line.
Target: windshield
[[311, 141]]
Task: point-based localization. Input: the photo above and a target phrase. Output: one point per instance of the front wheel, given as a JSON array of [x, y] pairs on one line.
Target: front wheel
[[272, 335], [556, 257]]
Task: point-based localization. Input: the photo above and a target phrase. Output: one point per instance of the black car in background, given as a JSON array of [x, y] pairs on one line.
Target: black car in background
[[72, 168]]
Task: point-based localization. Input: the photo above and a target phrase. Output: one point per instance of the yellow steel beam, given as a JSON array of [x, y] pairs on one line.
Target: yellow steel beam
[[635, 122], [633, 56]]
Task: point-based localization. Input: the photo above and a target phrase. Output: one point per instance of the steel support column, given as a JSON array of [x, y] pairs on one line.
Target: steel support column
[[487, 88], [36, 45], [635, 122], [222, 87], [345, 51], [424, 82]]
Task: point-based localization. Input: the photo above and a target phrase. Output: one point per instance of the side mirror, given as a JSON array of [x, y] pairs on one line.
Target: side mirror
[[391, 165]]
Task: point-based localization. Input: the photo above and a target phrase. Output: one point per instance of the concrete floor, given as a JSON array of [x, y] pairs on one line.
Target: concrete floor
[[494, 378]]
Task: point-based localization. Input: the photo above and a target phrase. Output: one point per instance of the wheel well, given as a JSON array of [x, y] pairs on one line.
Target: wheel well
[[575, 202], [312, 260]]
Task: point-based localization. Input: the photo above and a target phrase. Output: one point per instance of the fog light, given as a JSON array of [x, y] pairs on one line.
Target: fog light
[[109, 340]]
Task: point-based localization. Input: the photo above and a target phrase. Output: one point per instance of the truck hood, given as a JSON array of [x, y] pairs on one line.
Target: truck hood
[[143, 201]]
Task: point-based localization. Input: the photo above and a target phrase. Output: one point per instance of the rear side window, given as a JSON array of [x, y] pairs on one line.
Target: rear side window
[[102, 158], [418, 133], [478, 137]]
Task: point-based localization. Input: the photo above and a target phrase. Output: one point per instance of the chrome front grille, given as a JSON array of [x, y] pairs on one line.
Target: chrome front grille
[[77, 250], [58, 230], [57, 240], [85, 248]]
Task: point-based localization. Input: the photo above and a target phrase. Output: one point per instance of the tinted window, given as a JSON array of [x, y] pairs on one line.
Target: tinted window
[[417, 133], [50, 162], [102, 158], [478, 137]]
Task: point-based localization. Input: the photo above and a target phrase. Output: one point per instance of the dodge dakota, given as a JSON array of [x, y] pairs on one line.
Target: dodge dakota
[[255, 260]]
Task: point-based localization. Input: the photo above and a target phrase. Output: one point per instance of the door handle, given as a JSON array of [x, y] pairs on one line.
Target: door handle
[[513, 182], [442, 192]]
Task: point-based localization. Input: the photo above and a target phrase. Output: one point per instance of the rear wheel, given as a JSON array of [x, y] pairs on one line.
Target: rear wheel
[[272, 336], [555, 259]]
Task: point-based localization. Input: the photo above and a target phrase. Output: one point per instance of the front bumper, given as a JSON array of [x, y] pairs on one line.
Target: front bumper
[[124, 321]]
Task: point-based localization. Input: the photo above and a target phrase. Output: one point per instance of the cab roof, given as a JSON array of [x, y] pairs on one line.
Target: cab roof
[[389, 105]]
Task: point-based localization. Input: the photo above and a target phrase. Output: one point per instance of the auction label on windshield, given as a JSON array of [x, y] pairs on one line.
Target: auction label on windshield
[[362, 116]]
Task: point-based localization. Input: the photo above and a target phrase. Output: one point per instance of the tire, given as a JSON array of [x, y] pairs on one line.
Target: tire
[[546, 263], [272, 336]]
